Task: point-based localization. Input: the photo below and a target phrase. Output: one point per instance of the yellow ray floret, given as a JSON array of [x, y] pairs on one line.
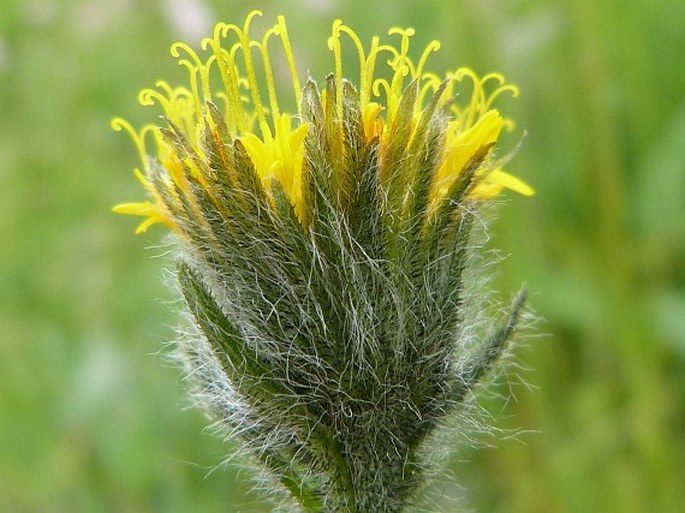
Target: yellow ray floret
[[238, 74]]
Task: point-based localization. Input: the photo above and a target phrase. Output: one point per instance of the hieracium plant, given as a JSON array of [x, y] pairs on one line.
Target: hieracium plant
[[325, 254]]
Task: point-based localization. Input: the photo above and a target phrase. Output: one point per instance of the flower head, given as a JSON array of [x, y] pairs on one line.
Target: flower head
[[322, 252], [232, 99]]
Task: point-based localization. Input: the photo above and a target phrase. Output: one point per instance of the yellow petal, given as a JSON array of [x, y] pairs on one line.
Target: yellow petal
[[135, 209], [297, 137], [484, 190], [508, 181], [259, 153]]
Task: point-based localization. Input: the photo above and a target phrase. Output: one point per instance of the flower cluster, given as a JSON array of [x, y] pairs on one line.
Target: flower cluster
[[322, 252]]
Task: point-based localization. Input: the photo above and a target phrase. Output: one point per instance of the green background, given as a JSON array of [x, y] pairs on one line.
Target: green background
[[92, 415]]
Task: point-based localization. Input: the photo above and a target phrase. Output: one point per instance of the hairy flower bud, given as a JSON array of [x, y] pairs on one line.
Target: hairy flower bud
[[322, 254]]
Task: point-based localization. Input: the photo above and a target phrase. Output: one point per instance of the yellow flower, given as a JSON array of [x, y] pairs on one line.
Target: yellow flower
[[238, 74], [323, 251]]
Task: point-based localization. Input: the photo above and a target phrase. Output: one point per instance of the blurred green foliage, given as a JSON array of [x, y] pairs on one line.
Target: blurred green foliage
[[91, 414]]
